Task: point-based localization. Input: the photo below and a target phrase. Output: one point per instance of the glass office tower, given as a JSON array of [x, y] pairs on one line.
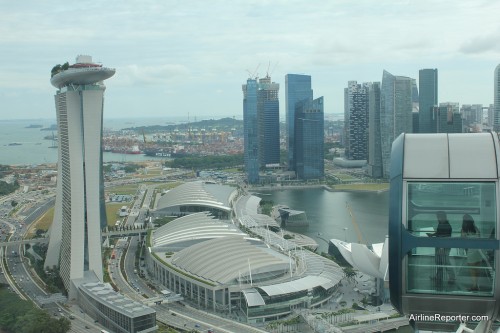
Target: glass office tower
[[309, 139], [269, 122], [374, 145], [297, 88], [428, 98], [251, 131]]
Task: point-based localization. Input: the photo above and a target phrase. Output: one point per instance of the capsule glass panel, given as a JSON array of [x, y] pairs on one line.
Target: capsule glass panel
[[455, 271], [459, 203]]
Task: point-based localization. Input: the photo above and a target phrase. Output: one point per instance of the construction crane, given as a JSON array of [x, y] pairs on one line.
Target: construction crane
[[268, 74], [355, 224], [254, 75]]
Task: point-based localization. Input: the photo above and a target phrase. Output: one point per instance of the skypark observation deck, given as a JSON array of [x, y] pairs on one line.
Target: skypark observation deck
[[82, 75]]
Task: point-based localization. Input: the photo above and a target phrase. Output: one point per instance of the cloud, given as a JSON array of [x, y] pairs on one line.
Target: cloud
[[482, 44], [151, 75]]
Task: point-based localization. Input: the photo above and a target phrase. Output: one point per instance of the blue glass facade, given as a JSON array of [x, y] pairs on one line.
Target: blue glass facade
[[269, 122], [297, 88], [251, 131], [270, 133], [428, 98], [309, 139]]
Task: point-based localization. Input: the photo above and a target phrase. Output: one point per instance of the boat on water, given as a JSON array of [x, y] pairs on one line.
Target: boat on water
[[164, 152], [15, 144], [134, 150], [34, 126]]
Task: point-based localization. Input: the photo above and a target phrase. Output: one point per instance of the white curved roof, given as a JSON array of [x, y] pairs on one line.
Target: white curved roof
[[198, 226], [423, 156], [198, 194], [372, 262], [226, 259]]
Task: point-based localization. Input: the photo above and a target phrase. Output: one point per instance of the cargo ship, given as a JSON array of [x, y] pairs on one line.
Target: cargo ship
[[164, 152]]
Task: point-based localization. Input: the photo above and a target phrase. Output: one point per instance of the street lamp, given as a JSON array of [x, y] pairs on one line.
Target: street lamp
[[345, 234]]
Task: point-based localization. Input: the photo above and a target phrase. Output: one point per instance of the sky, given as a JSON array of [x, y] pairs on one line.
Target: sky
[[189, 58]]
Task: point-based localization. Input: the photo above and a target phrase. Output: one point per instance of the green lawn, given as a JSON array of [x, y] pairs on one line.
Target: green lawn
[[112, 212], [123, 189]]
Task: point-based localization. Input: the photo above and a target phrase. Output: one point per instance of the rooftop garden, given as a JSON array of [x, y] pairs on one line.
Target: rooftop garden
[[59, 68]]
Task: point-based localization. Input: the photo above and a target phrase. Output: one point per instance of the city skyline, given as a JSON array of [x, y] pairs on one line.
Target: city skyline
[[167, 53]]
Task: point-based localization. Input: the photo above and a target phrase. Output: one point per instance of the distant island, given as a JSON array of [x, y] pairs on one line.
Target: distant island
[[34, 126], [52, 127], [224, 123]]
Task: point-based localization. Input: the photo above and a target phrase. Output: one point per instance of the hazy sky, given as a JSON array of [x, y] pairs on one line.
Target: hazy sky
[[178, 57]]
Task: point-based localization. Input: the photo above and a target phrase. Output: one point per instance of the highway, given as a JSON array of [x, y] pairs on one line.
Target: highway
[[16, 271]]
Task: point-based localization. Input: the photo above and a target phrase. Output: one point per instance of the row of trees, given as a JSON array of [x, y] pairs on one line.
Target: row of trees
[[21, 316]]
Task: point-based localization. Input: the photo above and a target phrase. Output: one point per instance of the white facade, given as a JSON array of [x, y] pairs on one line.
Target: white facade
[[75, 242]]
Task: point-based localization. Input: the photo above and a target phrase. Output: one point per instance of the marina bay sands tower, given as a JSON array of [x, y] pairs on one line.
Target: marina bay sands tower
[[79, 216]]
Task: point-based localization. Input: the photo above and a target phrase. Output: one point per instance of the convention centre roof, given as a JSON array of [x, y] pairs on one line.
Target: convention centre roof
[[226, 259], [198, 193], [193, 227]]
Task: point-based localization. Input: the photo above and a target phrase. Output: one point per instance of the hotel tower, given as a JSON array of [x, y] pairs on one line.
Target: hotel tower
[[75, 236]]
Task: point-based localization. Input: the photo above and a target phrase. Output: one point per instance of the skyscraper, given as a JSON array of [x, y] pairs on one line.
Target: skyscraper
[[395, 113], [75, 240], [374, 144], [446, 119], [251, 131], [356, 120], [297, 88], [428, 98], [309, 139], [269, 121], [472, 116], [496, 101], [261, 133]]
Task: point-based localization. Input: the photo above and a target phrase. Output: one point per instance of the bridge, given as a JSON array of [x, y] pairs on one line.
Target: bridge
[[108, 233]]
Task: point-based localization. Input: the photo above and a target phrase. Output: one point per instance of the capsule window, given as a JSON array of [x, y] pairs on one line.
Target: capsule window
[[451, 209], [454, 271]]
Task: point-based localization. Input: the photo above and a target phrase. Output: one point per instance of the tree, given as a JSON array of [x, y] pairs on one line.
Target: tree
[[349, 273]]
